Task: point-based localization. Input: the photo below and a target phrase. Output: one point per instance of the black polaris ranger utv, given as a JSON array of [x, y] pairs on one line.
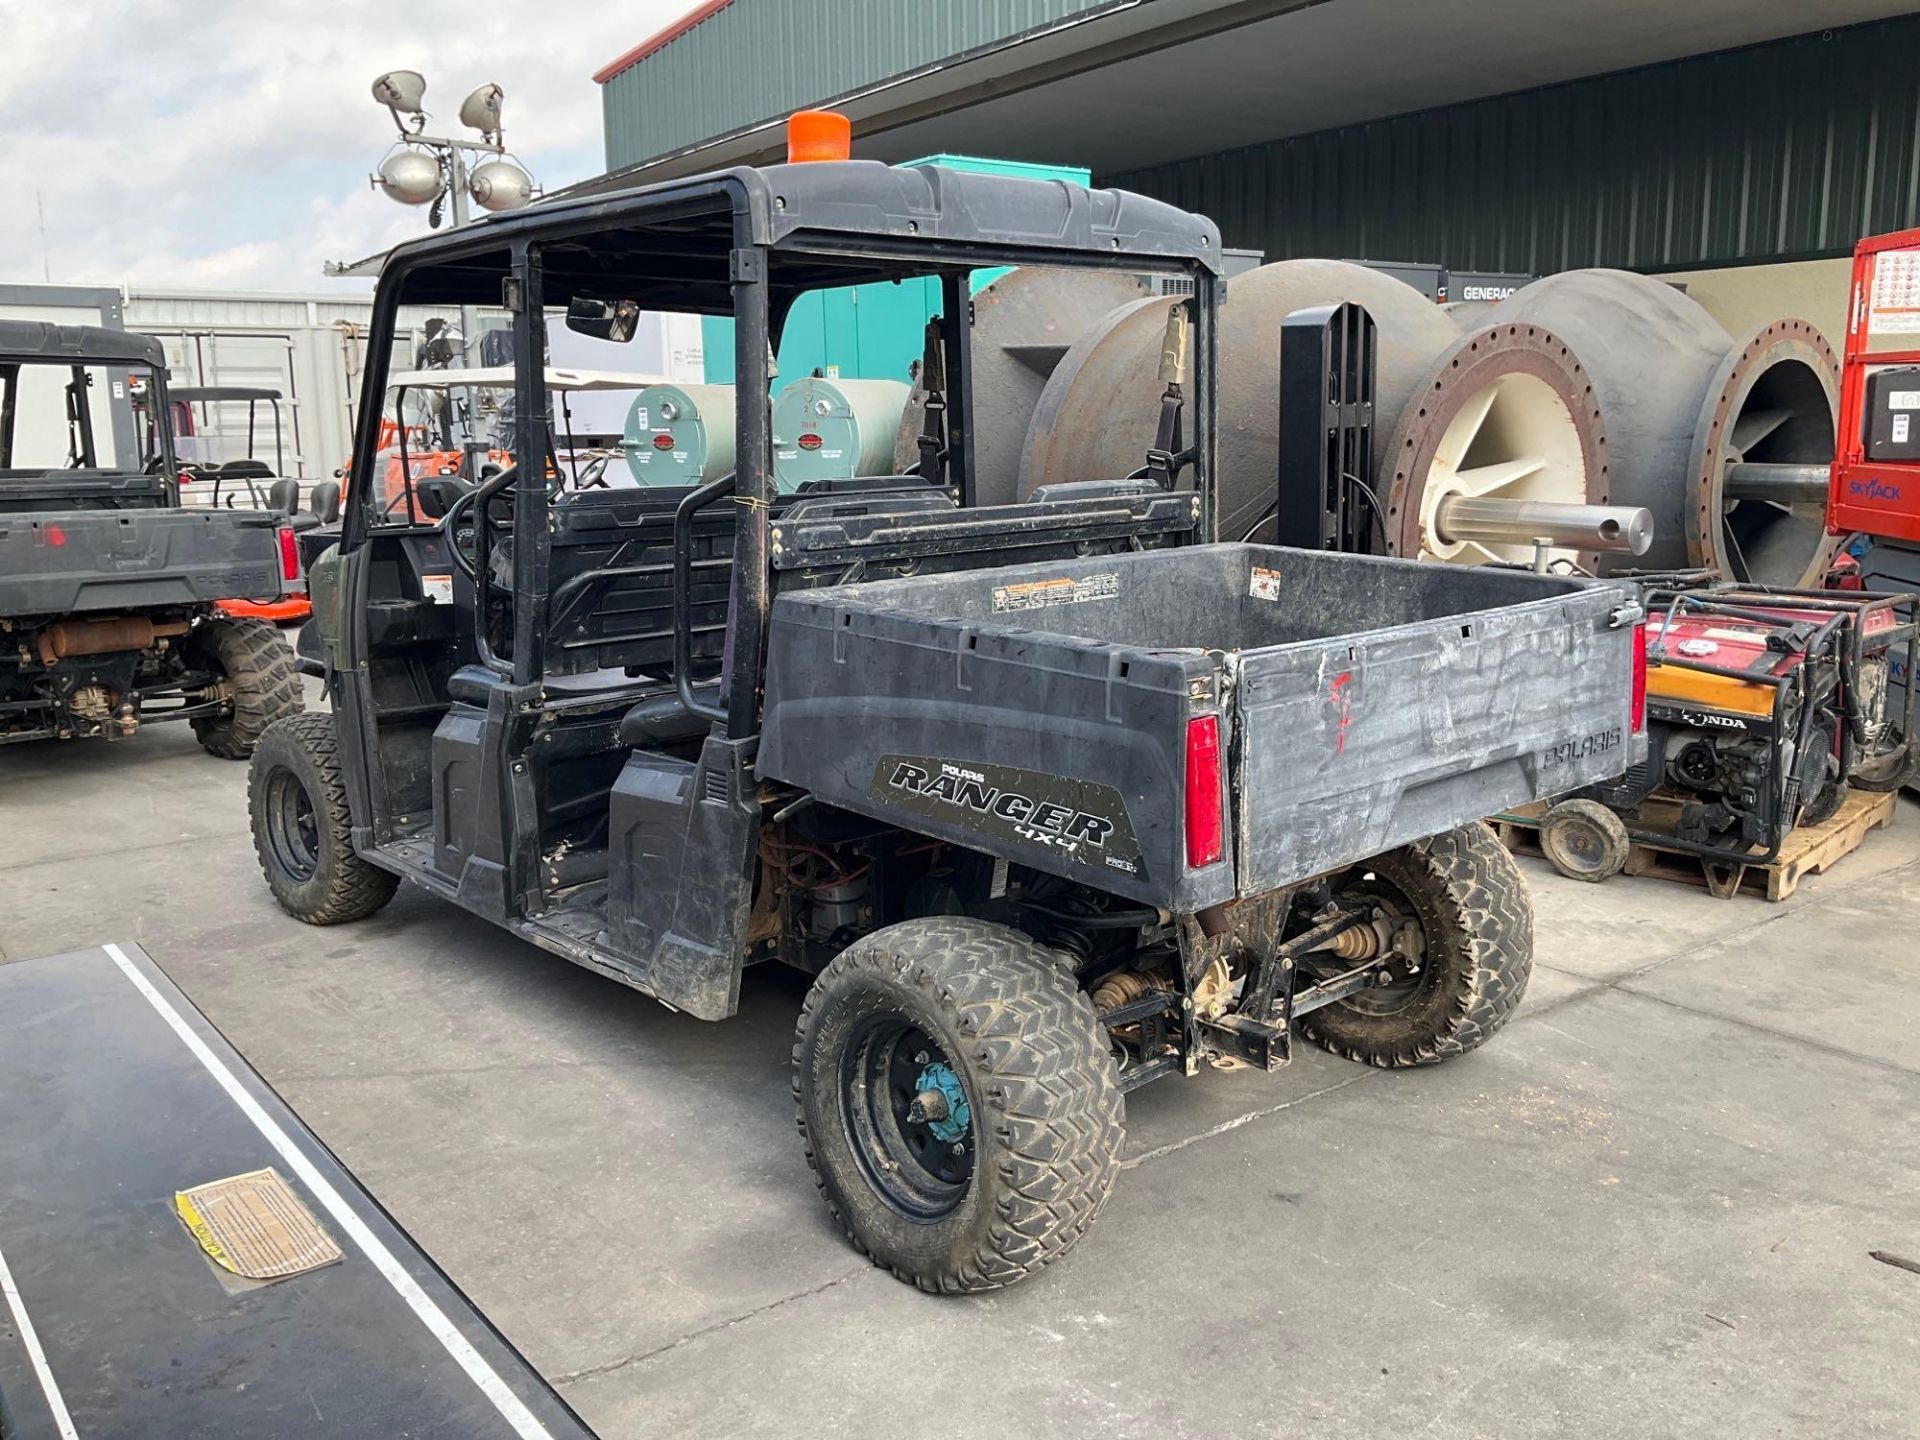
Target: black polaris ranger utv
[[1055, 798], [108, 589]]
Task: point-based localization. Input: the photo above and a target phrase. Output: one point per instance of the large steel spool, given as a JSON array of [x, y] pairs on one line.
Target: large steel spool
[[1762, 449], [1507, 403], [1024, 323], [1499, 448], [1726, 444]]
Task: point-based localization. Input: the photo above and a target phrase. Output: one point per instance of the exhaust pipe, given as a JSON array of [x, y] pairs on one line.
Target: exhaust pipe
[[103, 637]]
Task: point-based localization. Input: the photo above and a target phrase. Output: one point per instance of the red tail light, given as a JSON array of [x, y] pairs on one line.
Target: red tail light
[[1206, 830], [1640, 677], [289, 555]]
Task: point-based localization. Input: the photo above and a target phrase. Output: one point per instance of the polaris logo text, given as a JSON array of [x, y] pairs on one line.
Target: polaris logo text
[[969, 789], [1569, 752]]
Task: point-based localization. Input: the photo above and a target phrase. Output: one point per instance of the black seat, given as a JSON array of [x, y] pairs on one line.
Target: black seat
[[436, 495], [324, 501], [661, 719], [474, 683]]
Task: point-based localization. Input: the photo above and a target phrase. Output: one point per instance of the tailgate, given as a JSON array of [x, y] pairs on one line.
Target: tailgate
[[62, 562], [1349, 746]]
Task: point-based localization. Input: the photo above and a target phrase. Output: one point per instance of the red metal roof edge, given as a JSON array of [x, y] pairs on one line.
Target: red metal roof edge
[[658, 41]]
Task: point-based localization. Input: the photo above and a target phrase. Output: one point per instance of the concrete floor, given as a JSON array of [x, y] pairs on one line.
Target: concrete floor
[[1644, 1209]]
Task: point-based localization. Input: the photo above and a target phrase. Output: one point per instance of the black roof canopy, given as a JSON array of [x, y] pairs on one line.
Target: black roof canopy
[[829, 223], [42, 342], [197, 394]]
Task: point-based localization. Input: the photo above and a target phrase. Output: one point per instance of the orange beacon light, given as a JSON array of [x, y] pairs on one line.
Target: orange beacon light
[[818, 135]]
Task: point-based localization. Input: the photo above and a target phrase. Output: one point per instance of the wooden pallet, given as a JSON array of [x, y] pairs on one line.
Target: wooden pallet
[[1810, 850]]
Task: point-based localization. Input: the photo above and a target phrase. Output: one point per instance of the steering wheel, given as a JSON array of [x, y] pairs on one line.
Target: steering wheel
[[592, 474], [469, 565]]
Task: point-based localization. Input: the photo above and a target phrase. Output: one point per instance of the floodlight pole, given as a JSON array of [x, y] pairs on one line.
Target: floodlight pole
[[450, 152], [457, 186]]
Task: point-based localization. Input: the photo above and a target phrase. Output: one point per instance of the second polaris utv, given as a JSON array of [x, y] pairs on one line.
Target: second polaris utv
[[1054, 798], [109, 590]]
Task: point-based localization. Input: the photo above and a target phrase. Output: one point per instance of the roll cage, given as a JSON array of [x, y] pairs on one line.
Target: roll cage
[[748, 244], [80, 349]]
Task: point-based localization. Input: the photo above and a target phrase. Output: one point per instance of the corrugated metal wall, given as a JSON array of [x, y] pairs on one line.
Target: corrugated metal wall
[[761, 58], [1787, 150]]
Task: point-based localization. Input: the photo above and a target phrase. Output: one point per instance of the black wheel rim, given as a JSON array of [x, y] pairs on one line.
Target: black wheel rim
[[909, 1117], [1407, 986], [292, 827]]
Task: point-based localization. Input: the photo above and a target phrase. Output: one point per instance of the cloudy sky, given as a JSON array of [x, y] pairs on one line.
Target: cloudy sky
[[226, 143]]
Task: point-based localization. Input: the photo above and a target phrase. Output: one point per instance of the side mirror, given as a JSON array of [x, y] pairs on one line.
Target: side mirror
[[614, 320]]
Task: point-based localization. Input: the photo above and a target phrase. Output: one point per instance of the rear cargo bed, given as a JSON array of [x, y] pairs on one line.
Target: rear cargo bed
[[68, 562], [1363, 703]]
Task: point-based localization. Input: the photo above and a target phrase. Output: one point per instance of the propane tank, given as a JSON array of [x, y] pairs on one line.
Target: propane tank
[[679, 434], [835, 429]]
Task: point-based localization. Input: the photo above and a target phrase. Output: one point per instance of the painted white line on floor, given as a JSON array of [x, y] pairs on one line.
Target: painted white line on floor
[[525, 1424], [38, 1357]]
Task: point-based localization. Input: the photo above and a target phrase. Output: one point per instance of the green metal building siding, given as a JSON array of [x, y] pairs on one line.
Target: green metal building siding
[[1782, 151], [759, 59]]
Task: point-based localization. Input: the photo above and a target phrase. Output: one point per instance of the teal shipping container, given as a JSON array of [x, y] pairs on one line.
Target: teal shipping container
[[865, 332]]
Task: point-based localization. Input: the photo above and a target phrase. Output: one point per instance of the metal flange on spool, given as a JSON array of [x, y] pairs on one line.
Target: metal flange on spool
[[1502, 447], [1726, 444], [1761, 451]]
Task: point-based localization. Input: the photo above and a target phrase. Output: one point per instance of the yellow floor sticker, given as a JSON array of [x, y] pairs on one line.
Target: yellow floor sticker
[[254, 1226]]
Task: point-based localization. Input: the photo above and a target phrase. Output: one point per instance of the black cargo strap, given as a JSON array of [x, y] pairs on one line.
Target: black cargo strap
[[1166, 457], [933, 431]]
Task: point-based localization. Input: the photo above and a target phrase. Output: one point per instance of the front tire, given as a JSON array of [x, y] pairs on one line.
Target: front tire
[[960, 1109], [302, 829], [1475, 917], [256, 667]]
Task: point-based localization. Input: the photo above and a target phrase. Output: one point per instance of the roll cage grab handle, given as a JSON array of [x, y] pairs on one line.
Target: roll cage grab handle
[[683, 513]]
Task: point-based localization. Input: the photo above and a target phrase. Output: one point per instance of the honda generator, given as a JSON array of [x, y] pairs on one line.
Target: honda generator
[[1762, 707]]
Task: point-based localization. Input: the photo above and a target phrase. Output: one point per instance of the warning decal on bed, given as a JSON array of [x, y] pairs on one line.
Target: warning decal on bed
[[1264, 584], [1040, 594]]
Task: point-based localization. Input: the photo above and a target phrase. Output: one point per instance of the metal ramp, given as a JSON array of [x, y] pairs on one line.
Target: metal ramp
[[116, 1095]]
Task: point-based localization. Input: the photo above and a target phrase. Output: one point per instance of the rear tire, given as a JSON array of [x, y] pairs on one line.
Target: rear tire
[[1584, 840], [302, 830], [1024, 1143], [1476, 917], [257, 667]]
